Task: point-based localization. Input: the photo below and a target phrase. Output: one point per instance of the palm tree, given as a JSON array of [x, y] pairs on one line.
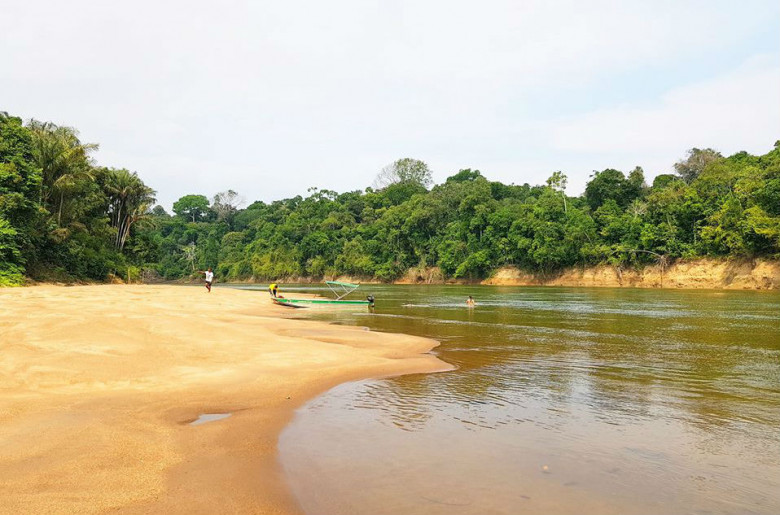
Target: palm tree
[[64, 162], [129, 200]]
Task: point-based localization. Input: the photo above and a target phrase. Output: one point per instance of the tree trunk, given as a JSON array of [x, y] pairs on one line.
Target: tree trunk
[[59, 211]]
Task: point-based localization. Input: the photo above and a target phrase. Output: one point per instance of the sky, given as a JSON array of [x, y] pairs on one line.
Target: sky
[[272, 98]]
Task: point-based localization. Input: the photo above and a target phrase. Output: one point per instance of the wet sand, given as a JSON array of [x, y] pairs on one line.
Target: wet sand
[[99, 385]]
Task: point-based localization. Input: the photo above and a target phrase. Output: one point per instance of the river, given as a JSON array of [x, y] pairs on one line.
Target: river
[[564, 400]]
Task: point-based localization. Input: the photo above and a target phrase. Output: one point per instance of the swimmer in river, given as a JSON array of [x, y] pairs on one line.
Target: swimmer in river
[[470, 302]]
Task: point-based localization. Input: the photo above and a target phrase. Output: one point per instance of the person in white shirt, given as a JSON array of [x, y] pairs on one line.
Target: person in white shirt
[[209, 278]]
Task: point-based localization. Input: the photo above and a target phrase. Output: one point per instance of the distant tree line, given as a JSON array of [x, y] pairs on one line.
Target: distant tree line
[[62, 217]]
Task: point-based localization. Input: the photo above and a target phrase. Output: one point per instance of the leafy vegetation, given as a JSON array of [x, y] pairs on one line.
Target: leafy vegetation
[[64, 218]]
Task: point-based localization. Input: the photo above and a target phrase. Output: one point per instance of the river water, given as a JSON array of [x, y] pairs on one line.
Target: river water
[[564, 400]]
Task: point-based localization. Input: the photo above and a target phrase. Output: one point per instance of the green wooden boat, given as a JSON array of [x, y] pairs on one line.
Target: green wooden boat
[[339, 289]]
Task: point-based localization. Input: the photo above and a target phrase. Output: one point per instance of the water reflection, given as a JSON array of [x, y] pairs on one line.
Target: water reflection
[[650, 401]]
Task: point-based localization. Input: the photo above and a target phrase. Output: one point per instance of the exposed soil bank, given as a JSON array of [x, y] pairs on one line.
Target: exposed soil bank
[[702, 273], [728, 274], [100, 384]]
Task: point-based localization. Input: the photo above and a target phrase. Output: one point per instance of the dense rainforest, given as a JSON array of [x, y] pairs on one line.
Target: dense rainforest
[[64, 218]]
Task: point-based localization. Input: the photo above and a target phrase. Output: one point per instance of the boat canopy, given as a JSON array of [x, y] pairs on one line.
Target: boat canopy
[[341, 290]]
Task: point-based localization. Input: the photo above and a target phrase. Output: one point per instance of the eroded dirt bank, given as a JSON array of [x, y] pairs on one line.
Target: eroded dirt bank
[[702, 273]]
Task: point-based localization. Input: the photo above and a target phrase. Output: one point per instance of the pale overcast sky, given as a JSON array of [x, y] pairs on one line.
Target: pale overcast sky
[[271, 98]]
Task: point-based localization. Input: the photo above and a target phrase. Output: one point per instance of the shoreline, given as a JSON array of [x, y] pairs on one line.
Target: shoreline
[[697, 274], [100, 383]]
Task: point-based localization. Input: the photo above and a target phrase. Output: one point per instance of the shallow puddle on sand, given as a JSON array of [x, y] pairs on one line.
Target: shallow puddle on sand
[[209, 417]]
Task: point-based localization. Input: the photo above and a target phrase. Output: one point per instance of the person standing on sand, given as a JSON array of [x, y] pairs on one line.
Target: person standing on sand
[[273, 289], [209, 278]]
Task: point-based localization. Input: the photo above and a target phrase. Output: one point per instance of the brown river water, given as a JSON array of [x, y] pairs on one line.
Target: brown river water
[[564, 401]]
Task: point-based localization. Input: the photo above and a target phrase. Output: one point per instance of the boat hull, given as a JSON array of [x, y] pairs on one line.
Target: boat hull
[[303, 303]]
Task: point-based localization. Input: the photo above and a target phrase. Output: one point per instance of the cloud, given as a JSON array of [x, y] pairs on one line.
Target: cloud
[[268, 98], [736, 111]]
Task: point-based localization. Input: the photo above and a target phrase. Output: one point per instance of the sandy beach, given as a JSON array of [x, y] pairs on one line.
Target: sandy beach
[[100, 384]]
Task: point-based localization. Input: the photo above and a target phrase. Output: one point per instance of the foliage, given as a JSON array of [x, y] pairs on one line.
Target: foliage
[[62, 217], [20, 178], [404, 171], [65, 166], [613, 185], [10, 257], [193, 207], [129, 201], [694, 164], [20, 184]]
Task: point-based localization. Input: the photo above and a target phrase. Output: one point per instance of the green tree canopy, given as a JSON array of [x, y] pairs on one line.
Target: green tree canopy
[[64, 163], [192, 207], [612, 184], [63, 218], [129, 201], [464, 175], [20, 178]]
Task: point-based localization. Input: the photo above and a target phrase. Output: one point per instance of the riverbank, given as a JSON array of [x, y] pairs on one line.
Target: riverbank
[[709, 274], [100, 385]]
